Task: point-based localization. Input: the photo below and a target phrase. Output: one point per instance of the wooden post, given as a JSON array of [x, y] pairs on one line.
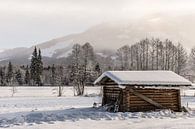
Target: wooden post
[[179, 100], [120, 100], [103, 96]]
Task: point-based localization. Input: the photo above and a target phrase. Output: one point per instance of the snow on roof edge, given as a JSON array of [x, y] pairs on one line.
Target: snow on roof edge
[[146, 83], [108, 74]]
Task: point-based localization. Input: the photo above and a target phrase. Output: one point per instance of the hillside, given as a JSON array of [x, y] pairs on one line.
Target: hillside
[[110, 36]]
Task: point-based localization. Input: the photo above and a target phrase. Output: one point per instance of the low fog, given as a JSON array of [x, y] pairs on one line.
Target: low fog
[[28, 22]]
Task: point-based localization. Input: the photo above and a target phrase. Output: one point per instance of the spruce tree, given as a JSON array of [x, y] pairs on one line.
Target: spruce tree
[[53, 73], [33, 66], [36, 67], [19, 77], [27, 76], [9, 76], [40, 63], [97, 70], [2, 76], [40, 67]]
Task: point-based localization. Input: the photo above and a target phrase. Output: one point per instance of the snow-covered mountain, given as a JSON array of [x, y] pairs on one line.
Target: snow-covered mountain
[[2, 50], [110, 36]]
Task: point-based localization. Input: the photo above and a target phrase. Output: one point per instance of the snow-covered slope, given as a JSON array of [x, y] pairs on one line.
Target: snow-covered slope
[[2, 50], [113, 35], [53, 50], [40, 108]]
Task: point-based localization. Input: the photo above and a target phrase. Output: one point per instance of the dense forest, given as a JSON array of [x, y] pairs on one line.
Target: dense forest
[[84, 65]]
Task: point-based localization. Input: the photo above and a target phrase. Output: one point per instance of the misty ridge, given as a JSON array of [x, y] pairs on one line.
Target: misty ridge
[[72, 63], [177, 28], [155, 42], [83, 65]]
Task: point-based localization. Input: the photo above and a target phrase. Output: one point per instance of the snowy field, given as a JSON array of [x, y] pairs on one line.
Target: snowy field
[[39, 108]]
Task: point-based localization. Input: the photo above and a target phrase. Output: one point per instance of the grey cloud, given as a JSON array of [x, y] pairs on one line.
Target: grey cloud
[[24, 22]]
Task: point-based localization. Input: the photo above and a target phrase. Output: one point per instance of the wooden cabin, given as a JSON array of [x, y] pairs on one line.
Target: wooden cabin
[[135, 91]]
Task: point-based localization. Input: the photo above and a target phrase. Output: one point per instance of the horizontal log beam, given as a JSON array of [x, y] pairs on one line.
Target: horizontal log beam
[[146, 98]]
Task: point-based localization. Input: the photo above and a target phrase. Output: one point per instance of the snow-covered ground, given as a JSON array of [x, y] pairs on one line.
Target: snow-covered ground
[[43, 91], [39, 108]]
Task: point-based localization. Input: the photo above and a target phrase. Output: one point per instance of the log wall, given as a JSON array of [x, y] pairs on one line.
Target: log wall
[[168, 98], [129, 102], [111, 94]]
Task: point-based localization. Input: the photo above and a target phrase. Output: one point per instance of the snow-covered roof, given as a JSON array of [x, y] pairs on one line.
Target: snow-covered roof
[[146, 78]]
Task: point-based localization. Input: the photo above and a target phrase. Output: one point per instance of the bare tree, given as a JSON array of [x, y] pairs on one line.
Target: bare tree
[[152, 54], [181, 59], [123, 57], [191, 62]]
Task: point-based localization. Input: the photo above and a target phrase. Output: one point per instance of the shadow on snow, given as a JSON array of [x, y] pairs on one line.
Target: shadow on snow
[[40, 117]]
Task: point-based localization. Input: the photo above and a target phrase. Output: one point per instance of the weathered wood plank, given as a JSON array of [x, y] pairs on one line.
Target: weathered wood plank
[[168, 98], [179, 100], [146, 98]]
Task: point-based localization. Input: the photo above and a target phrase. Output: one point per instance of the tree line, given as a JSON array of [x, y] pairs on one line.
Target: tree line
[[21, 75], [152, 54], [84, 65]]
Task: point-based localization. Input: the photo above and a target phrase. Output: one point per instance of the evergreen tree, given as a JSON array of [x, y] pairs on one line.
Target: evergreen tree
[[27, 76], [36, 67], [33, 66], [19, 77], [53, 74], [40, 63], [98, 70], [39, 68], [2, 76], [9, 76]]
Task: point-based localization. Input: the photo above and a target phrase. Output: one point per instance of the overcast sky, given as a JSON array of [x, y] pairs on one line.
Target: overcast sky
[[27, 22]]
